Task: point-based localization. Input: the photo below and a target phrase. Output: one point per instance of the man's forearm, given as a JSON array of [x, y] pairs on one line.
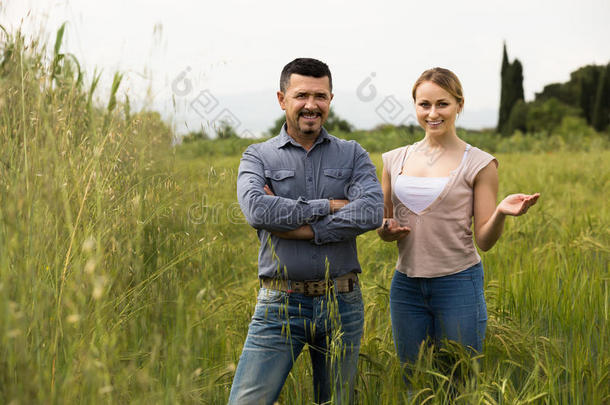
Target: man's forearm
[[304, 232], [352, 220], [281, 214]]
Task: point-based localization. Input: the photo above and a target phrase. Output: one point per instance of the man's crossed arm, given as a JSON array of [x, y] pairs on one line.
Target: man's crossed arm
[[320, 220]]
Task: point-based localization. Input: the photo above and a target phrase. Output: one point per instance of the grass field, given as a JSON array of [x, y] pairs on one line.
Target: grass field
[[128, 274], [546, 285]]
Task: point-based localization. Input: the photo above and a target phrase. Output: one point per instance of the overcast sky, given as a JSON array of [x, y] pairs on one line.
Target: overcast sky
[[231, 52]]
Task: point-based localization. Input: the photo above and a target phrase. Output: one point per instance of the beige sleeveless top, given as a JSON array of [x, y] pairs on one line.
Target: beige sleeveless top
[[440, 242]]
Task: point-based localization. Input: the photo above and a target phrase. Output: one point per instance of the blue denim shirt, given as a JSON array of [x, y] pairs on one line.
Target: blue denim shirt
[[303, 182]]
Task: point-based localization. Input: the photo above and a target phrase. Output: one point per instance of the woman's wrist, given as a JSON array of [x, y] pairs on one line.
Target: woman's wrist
[[498, 215], [383, 231]]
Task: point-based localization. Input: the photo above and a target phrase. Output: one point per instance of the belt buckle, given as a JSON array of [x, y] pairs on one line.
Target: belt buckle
[[310, 291]]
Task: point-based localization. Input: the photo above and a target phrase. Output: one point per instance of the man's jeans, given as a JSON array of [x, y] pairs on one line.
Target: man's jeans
[[451, 307], [281, 326]]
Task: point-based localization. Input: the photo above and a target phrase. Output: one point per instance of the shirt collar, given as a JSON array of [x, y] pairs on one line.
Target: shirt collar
[[284, 138]]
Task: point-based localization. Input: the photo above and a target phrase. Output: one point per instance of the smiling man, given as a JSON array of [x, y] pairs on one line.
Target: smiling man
[[306, 101], [308, 194]]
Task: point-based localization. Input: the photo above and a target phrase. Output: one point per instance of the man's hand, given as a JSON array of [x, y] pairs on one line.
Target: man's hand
[[391, 230], [336, 205], [268, 190], [517, 204]]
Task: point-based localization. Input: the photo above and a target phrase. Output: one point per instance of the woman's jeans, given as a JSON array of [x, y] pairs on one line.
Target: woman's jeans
[[281, 326], [451, 307]]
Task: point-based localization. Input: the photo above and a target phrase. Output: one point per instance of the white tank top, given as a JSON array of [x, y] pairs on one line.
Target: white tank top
[[417, 193]]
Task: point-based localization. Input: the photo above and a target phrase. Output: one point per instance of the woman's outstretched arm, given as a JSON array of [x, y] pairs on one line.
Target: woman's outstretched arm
[[489, 218]]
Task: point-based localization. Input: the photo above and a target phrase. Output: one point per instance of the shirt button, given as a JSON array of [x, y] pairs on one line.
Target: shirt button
[[309, 179]]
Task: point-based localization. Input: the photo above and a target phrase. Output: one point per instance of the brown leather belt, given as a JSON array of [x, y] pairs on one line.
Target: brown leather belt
[[313, 288]]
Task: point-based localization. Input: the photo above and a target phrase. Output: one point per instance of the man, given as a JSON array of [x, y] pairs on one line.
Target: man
[[308, 194]]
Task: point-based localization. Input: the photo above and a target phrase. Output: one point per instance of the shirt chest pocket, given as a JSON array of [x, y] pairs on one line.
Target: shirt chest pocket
[[336, 183], [282, 182]]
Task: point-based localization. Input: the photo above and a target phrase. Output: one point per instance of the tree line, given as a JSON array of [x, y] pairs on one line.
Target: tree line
[[586, 96]]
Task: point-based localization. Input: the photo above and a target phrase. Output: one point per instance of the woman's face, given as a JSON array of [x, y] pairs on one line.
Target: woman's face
[[436, 109]]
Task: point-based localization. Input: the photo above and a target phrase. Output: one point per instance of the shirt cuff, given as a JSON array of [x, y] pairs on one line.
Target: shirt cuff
[[320, 231], [320, 207]]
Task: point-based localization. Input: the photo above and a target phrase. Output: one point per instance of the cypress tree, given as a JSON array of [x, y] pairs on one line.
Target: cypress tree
[[511, 91], [504, 111], [601, 106], [516, 81]]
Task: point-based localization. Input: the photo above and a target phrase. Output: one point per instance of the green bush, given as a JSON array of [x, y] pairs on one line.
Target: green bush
[[545, 116]]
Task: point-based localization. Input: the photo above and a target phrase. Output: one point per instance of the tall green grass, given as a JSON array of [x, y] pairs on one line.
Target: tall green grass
[[128, 274]]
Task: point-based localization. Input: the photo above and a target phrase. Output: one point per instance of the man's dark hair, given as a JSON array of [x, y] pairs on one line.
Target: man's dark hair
[[305, 67]]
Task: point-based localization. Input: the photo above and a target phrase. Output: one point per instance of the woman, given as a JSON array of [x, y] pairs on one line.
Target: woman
[[432, 190]]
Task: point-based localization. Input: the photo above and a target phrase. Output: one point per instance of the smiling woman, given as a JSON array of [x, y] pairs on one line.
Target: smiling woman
[[433, 190], [435, 111]]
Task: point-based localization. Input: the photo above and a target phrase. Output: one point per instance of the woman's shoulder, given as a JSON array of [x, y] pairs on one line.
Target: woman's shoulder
[[391, 156], [477, 161], [478, 156], [394, 152]]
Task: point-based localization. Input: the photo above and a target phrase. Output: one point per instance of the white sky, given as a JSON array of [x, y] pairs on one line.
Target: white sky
[[236, 49]]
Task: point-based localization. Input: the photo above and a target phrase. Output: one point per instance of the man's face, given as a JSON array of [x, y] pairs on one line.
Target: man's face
[[306, 102]]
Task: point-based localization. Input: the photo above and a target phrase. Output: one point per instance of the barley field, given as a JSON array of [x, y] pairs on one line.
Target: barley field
[[128, 273]]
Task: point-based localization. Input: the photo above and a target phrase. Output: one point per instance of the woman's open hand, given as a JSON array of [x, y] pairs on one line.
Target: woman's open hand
[[517, 204], [391, 230]]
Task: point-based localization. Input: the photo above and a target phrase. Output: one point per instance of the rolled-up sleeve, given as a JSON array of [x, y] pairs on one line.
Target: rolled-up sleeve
[[272, 213], [364, 211]]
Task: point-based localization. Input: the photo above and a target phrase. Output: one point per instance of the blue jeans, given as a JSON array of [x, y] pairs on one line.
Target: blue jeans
[[451, 307], [281, 326]]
